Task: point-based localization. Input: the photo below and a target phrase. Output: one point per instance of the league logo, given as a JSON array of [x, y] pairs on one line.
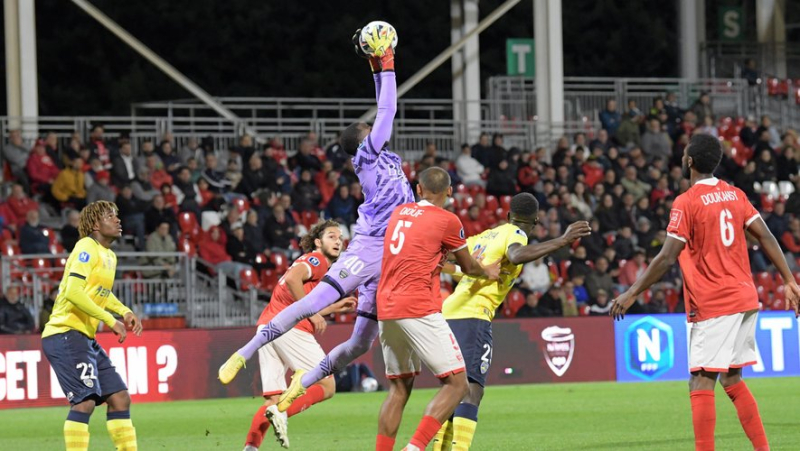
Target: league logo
[[559, 348], [83, 257], [88, 382], [343, 274], [649, 348], [314, 261], [675, 217]]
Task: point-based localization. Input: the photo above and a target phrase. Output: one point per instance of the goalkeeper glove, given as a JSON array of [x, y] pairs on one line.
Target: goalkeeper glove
[[374, 62]]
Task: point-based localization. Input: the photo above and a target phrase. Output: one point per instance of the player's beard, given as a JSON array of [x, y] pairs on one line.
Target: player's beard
[[687, 173]]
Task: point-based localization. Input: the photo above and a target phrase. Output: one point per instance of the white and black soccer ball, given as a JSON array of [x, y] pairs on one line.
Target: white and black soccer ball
[[382, 27], [369, 385]]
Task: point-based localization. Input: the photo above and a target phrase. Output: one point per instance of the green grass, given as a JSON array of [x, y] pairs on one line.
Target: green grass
[[587, 416]]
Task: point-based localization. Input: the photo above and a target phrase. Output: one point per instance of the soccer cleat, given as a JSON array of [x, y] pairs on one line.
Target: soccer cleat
[[294, 391], [280, 424], [229, 369], [411, 447], [250, 448]]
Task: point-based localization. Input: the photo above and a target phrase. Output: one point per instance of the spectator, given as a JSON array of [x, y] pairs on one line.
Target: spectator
[[305, 159], [470, 170], [327, 182], [528, 176], [148, 149], [778, 221], [708, 127], [122, 168], [610, 118], [47, 307], [532, 308], [69, 233], [601, 305], [749, 72], [580, 199], [535, 277], [212, 250], [633, 185], [255, 177], [765, 166], [578, 264], [142, 188], [569, 302], [232, 219], [788, 164], [745, 180], [279, 229], [217, 181], [628, 133], [606, 215], [579, 290], [633, 268], [51, 146], [131, 213], [674, 111], [171, 162], [16, 154], [190, 150], [15, 317], [20, 204], [474, 223], [482, 151], [702, 107], [32, 239], [306, 195], [161, 241], [240, 250], [594, 243], [774, 136], [68, 187], [554, 232], [599, 279], [502, 181], [749, 134], [42, 170], [793, 203], [623, 245], [601, 141], [335, 153], [550, 302], [158, 175], [790, 242], [342, 208], [98, 147], [763, 142], [187, 196], [159, 213], [655, 142], [254, 233], [644, 233], [233, 175]]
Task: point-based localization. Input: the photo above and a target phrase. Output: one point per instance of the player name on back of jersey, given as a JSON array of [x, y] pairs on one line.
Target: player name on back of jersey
[[412, 211], [719, 196]]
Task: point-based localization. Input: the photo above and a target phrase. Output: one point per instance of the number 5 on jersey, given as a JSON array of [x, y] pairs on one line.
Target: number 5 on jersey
[[398, 237]]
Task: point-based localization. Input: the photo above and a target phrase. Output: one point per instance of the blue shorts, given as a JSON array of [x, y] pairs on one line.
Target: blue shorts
[[474, 337], [82, 367]]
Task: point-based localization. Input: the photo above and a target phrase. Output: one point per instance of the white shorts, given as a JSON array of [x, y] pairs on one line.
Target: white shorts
[[724, 342], [292, 351], [406, 342]]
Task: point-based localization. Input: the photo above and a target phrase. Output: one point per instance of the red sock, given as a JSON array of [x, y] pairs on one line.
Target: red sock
[[258, 428], [425, 432], [747, 408], [384, 443], [704, 417], [314, 394]]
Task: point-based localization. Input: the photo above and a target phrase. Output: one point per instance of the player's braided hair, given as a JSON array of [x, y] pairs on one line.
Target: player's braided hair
[[307, 242], [524, 204], [350, 138], [92, 214], [706, 153]]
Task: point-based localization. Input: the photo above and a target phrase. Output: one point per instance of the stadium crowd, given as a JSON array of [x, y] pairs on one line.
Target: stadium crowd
[[245, 207]]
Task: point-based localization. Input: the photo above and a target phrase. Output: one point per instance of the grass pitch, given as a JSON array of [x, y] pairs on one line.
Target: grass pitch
[[586, 416]]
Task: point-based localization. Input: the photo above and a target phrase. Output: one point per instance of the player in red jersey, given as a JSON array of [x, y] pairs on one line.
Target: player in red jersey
[[412, 328], [706, 235], [297, 349]]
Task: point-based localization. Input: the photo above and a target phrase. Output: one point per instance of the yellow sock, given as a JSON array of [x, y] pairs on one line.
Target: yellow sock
[[76, 436], [463, 431], [443, 439], [123, 434]]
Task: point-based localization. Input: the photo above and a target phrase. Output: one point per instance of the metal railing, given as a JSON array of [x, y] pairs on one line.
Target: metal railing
[[726, 59], [203, 300]]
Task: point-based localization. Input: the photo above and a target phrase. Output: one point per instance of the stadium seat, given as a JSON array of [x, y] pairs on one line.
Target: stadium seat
[[492, 203], [241, 204], [462, 189], [345, 318], [505, 202], [672, 299], [467, 202], [41, 266], [474, 190], [187, 222], [779, 301], [269, 280], [765, 280], [514, 301], [280, 261], [186, 246], [564, 269], [554, 274], [51, 235], [309, 218], [248, 280]]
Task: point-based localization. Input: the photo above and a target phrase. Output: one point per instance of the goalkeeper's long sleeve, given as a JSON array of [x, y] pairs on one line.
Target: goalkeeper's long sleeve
[[116, 306], [386, 86], [76, 294]]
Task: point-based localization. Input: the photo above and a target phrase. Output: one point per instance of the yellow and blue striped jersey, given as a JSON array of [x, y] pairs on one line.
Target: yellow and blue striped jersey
[[479, 298], [90, 269]]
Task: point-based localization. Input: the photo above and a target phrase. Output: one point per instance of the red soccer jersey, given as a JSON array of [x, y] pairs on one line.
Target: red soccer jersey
[[317, 266], [711, 218], [418, 236]]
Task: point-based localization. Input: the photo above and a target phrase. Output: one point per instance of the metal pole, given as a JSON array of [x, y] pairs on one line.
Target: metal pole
[[445, 55], [157, 61]]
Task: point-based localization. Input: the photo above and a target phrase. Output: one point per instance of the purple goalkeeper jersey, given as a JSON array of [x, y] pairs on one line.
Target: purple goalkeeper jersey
[[378, 169]]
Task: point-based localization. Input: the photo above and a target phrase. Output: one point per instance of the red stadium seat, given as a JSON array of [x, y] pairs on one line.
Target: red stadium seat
[[309, 219], [261, 259], [248, 279], [241, 204], [51, 235], [462, 189], [514, 301], [467, 202], [492, 203], [505, 202], [474, 190], [345, 317], [269, 280], [554, 275], [9, 250], [564, 269], [186, 246], [187, 223], [280, 261], [672, 299], [779, 301]]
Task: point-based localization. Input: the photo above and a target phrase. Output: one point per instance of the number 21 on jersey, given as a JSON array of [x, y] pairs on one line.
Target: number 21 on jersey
[[398, 237]]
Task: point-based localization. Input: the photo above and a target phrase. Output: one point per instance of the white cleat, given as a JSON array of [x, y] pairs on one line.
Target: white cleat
[[250, 448], [411, 447], [280, 424]]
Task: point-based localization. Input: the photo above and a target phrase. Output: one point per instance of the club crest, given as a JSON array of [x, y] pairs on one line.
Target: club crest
[[559, 348]]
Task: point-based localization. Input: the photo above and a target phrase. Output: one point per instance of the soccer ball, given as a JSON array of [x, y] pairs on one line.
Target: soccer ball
[[383, 29], [369, 385]]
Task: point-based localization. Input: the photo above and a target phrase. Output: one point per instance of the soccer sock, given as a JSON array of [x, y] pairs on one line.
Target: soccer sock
[[258, 428], [427, 428], [384, 443], [364, 333], [704, 418], [443, 441], [465, 421], [313, 395], [747, 408], [121, 430], [320, 297], [76, 431]]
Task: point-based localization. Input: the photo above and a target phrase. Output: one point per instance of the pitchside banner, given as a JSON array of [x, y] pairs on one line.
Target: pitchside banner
[[655, 347], [182, 364]]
